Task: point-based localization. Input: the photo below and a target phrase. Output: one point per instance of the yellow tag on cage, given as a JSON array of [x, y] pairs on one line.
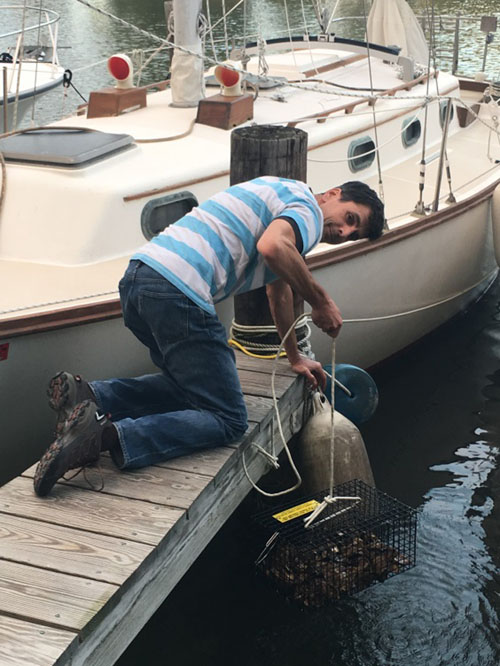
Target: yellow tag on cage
[[296, 511]]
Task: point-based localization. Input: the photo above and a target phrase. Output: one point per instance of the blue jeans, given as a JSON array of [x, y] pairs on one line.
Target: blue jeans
[[196, 401]]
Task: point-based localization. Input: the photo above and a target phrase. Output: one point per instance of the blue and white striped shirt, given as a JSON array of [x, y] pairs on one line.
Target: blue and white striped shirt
[[210, 253]]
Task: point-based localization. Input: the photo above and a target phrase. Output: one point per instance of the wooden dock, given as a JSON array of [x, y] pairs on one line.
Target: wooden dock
[[82, 571]]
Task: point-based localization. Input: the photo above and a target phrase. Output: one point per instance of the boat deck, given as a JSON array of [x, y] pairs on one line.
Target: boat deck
[[72, 286], [82, 571]]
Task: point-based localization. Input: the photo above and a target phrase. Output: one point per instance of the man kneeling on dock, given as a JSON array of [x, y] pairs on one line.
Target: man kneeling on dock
[[250, 235]]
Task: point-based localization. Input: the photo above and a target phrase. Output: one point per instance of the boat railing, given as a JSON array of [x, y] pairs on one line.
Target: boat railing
[[461, 41], [448, 33], [46, 21]]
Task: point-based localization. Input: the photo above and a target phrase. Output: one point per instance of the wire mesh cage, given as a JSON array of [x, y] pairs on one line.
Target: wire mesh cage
[[351, 545]]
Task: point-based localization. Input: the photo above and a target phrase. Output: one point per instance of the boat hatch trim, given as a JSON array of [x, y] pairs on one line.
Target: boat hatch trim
[[61, 146], [296, 42], [361, 153], [412, 129], [442, 111], [159, 213]]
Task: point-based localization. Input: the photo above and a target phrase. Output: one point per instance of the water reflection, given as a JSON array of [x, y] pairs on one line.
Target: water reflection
[[89, 38]]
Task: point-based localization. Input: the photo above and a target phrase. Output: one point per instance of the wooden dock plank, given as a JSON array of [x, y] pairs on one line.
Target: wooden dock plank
[[117, 516], [70, 550], [168, 487], [73, 534], [208, 462], [50, 598], [30, 644], [266, 365], [259, 383], [183, 544], [258, 408]]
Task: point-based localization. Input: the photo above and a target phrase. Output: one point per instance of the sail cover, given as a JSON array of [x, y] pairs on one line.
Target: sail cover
[[393, 23]]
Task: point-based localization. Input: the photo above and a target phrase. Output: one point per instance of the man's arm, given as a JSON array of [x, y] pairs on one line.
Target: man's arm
[[277, 246], [280, 297]]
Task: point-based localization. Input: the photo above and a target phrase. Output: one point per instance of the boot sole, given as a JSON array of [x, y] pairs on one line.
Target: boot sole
[[46, 474]]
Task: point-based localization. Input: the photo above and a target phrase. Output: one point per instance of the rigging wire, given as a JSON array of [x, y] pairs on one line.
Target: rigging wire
[[375, 127], [420, 206], [285, 4], [19, 52], [35, 97]]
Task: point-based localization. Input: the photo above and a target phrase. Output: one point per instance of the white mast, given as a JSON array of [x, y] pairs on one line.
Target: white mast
[[187, 70]]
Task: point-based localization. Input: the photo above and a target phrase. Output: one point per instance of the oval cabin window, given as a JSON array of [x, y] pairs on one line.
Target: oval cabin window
[[361, 153], [159, 213], [411, 132]]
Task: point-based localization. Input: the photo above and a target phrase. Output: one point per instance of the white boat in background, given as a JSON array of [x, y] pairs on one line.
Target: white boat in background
[[82, 195], [28, 70]]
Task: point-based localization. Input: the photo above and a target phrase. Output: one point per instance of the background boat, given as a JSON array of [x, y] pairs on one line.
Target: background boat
[[29, 67]]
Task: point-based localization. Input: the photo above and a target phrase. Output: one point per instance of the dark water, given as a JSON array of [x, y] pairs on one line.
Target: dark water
[[434, 444]]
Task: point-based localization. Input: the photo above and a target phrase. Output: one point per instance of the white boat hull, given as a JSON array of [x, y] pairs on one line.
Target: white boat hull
[[394, 288], [37, 81], [66, 232], [400, 294]]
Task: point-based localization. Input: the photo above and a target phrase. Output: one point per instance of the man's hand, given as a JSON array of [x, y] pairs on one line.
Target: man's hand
[[326, 316], [312, 371]]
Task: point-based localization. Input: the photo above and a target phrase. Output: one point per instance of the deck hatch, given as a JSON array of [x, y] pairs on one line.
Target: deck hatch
[[63, 147], [159, 213]]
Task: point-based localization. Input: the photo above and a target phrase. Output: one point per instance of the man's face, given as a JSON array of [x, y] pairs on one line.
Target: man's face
[[343, 220]]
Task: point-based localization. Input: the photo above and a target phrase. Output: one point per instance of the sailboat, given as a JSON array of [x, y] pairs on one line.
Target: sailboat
[[28, 70], [81, 195]]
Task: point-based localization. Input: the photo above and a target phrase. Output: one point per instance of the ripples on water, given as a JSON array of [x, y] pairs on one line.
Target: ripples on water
[[87, 38]]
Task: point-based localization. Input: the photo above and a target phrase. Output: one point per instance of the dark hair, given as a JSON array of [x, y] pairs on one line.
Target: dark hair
[[360, 193]]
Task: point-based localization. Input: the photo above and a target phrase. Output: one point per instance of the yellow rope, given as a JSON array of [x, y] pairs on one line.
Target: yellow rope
[[234, 343]]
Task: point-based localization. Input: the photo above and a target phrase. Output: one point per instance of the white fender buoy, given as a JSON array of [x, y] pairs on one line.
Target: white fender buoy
[[312, 452], [495, 220]]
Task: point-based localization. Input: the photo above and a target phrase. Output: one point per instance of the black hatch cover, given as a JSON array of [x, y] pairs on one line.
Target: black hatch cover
[[53, 146]]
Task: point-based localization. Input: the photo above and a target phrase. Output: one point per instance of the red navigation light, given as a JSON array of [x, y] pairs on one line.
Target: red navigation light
[[121, 69], [229, 79], [225, 76]]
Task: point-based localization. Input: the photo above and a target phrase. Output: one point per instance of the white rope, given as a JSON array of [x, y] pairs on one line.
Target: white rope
[[375, 126], [331, 16], [329, 499], [280, 429], [19, 52], [273, 459], [210, 29], [289, 30], [226, 14], [368, 152], [35, 98], [224, 17]]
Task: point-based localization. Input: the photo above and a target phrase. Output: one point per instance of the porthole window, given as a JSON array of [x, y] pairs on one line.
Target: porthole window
[[361, 153], [159, 213], [442, 111], [411, 131]]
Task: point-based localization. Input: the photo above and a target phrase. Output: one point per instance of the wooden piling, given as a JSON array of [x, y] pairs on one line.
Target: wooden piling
[[265, 150]]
